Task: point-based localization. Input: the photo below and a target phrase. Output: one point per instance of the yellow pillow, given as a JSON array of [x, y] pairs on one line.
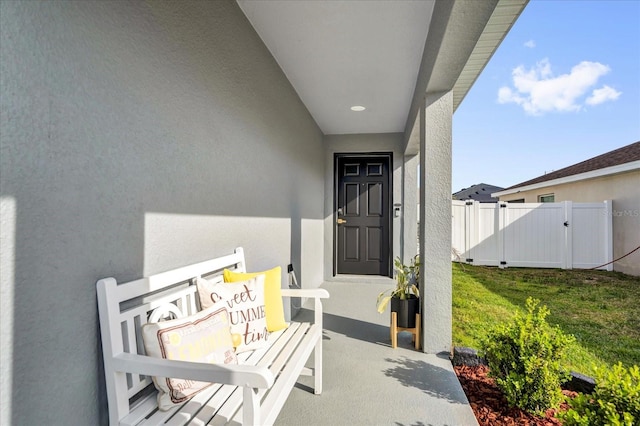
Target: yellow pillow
[[274, 310]]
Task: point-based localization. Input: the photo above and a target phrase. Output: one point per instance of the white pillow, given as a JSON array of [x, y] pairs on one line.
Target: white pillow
[[203, 337], [245, 302]]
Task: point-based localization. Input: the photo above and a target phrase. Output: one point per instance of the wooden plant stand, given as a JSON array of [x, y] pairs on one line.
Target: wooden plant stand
[[415, 331]]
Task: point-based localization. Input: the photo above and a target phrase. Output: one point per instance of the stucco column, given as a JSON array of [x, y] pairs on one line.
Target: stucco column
[[435, 221]]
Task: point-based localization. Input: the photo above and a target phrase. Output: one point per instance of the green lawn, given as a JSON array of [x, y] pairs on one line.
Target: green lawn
[[601, 309]]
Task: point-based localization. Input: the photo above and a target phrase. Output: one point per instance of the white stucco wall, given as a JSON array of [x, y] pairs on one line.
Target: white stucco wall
[[359, 143], [136, 137], [624, 191]]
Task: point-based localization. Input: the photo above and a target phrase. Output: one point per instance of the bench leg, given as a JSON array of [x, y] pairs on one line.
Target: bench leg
[[317, 356], [250, 407], [317, 371]]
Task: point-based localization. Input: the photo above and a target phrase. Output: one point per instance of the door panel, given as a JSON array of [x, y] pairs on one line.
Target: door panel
[[351, 200], [374, 244], [363, 214], [350, 243], [374, 200]]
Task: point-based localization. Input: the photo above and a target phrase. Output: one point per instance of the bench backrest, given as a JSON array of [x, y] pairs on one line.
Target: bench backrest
[[125, 308]]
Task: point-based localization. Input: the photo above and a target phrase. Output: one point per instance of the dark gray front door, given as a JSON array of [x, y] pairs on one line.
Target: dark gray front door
[[362, 214]]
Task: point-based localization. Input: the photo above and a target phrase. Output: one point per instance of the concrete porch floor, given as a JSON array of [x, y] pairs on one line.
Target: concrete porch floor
[[366, 382]]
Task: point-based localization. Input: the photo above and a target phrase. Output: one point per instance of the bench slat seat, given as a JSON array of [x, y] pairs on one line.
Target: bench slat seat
[[251, 392]]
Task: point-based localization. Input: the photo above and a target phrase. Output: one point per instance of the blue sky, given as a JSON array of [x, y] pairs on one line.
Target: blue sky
[[563, 86]]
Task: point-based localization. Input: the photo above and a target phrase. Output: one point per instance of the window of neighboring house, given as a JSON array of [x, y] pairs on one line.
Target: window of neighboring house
[[547, 198], [519, 200]]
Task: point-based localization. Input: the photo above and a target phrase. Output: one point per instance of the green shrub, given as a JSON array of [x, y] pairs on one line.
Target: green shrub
[[615, 400], [524, 356]]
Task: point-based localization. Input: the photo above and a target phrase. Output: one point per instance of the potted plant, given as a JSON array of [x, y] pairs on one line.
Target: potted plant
[[405, 296]]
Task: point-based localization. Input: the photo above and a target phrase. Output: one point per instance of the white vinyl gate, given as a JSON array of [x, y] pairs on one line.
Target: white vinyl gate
[[538, 235]]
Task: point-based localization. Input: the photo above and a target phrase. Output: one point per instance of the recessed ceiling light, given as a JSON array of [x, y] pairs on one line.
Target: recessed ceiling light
[[357, 108]]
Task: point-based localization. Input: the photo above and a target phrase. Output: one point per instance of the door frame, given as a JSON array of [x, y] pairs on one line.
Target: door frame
[[388, 156]]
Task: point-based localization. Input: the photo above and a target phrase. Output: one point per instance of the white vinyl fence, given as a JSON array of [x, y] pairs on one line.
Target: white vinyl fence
[[563, 235]]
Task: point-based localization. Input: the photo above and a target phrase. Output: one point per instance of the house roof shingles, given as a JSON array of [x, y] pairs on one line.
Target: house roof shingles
[[480, 192], [626, 154]]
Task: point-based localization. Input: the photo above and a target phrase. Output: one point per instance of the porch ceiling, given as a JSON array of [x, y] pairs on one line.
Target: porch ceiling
[[379, 54]]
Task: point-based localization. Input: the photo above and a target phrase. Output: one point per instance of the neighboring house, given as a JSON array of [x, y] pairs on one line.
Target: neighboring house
[[480, 192], [140, 136], [614, 176]]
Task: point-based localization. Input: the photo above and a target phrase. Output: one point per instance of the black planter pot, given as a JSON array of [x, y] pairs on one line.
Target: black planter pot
[[406, 311]]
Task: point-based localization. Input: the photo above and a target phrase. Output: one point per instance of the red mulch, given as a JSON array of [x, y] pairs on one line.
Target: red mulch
[[489, 405]]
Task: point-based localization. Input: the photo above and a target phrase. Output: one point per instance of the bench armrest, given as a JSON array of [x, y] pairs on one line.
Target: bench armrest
[[305, 292], [233, 374], [314, 293]]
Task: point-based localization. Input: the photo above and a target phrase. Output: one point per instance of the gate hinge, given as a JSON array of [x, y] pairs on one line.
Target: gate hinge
[[502, 262], [468, 203], [503, 205], [470, 260]]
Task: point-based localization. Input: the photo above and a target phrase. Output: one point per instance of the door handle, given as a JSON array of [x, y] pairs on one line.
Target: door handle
[[341, 221]]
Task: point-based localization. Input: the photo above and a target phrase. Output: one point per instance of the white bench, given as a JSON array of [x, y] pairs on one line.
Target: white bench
[[252, 392]]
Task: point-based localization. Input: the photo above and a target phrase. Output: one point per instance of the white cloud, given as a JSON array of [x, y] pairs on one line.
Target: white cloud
[[604, 94], [538, 91], [530, 44]]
